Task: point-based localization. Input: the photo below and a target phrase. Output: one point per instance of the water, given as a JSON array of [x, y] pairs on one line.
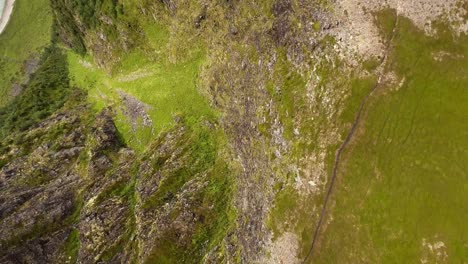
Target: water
[[2, 5]]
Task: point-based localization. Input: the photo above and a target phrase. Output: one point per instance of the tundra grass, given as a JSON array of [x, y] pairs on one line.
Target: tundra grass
[[72, 246], [202, 160], [169, 89], [401, 195], [27, 33]]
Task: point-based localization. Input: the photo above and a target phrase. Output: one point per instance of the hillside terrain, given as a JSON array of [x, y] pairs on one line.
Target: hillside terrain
[[194, 131]]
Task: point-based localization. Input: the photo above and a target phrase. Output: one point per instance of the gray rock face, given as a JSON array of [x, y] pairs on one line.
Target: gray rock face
[[38, 191], [79, 195]]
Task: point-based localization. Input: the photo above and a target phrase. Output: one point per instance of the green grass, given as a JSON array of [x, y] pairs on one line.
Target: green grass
[[170, 89], [27, 33], [404, 177], [72, 246], [169, 85], [214, 208], [294, 211], [360, 87], [201, 160]]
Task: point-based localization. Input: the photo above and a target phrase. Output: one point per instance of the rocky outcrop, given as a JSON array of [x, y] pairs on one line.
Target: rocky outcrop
[[73, 192], [39, 189]]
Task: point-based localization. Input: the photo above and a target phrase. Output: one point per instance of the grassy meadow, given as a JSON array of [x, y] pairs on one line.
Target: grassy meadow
[[168, 89], [401, 194]]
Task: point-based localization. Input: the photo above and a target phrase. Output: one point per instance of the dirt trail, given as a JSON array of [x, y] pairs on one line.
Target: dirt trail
[[346, 142]]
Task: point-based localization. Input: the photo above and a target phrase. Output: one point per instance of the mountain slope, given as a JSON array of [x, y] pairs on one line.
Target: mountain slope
[[235, 132]]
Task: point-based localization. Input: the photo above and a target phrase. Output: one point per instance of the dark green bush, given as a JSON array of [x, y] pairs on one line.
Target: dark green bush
[[74, 17], [45, 93]]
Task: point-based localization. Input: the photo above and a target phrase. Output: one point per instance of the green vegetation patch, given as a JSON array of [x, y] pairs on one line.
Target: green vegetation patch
[[200, 163], [45, 93], [359, 87], [402, 187], [72, 246], [167, 89], [27, 33]]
